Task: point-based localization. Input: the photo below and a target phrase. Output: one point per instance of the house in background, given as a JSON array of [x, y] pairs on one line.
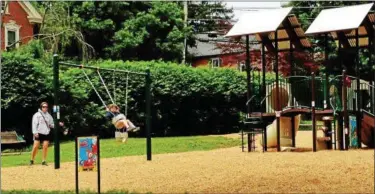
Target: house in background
[[207, 53], [20, 21]]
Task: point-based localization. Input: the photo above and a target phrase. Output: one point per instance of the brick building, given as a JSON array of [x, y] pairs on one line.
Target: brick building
[[20, 21], [208, 53]]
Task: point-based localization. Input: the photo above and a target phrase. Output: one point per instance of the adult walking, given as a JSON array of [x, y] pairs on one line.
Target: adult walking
[[42, 123]]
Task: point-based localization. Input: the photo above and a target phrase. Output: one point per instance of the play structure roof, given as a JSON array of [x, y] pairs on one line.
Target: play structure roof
[[263, 25], [342, 24]]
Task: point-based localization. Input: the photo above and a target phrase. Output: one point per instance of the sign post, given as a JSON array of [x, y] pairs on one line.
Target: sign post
[[87, 157]]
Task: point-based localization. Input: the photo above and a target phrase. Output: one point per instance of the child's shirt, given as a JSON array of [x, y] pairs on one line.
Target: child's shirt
[[109, 115]]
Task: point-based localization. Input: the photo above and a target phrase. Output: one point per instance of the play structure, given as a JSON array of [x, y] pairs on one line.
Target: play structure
[[343, 102], [56, 108]]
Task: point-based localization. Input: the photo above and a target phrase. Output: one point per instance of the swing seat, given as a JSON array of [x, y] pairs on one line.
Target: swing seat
[[120, 124], [119, 121], [120, 135]]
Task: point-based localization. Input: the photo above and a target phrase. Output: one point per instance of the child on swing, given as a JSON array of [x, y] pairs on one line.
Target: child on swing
[[119, 120]]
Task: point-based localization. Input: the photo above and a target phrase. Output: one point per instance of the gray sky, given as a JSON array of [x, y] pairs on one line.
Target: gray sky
[[244, 5]]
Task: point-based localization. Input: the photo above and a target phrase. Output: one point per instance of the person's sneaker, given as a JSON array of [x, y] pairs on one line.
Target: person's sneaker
[[31, 162], [44, 163]]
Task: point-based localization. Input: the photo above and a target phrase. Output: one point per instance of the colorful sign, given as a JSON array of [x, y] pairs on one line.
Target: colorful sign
[[353, 132], [87, 153]]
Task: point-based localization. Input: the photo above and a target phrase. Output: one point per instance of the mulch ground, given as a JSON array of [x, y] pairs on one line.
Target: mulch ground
[[218, 171]]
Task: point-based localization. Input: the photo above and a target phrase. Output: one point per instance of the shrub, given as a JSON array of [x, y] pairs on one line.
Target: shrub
[[185, 100]]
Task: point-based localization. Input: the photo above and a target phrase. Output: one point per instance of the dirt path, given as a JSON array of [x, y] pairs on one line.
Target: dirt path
[[218, 171]]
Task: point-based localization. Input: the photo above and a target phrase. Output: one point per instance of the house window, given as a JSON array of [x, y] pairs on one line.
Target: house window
[[11, 39], [4, 7], [12, 35], [216, 62]]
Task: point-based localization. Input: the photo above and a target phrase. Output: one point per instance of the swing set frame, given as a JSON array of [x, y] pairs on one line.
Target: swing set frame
[[56, 109]]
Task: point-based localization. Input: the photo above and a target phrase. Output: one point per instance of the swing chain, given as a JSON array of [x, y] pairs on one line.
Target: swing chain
[[105, 86]]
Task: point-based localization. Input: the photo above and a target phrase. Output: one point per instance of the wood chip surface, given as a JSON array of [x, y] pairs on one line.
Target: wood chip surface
[[218, 171]]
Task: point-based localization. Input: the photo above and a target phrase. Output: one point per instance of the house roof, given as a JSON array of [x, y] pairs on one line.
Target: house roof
[[206, 46], [32, 13], [265, 23]]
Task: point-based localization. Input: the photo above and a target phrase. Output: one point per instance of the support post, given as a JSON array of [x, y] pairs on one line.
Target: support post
[[248, 73], [341, 127], [292, 72], [148, 114], [76, 162], [346, 116], [278, 112], [293, 120], [326, 80], [248, 142], [373, 79], [340, 132], [56, 115], [291, 62], [359, 99], [98, 145], [373, 101], [313, 110], [264, 92], [373, 96]]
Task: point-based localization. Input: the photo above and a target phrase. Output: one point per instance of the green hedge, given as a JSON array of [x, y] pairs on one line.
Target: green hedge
[[185, 100]]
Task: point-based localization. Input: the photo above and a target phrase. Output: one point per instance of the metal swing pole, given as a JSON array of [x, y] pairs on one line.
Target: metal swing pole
[[56, 115], [148, 113]]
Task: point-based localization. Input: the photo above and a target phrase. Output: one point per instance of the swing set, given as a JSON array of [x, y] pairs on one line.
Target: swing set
[[118, 133]]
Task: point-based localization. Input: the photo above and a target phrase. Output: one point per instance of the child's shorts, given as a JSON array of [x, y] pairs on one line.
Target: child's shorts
[[116, 119]]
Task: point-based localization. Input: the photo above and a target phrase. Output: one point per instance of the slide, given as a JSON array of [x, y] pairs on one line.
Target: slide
[[367, 134], [285, 132]]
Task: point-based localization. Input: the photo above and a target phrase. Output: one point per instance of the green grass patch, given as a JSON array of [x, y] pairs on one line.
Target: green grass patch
[[135, 146], [309, 122]]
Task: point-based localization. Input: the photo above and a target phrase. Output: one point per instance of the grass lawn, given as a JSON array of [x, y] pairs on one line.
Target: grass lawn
[[135, 146]]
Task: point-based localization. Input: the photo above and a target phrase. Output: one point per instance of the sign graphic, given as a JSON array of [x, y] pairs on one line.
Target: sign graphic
[[87, 153]]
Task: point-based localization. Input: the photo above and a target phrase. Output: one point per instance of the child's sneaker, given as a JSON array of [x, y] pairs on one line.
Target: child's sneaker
[[31, 162], [133, 129], [136, 129], [44, 163]]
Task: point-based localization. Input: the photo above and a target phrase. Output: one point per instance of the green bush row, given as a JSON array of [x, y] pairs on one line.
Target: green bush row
[[185, 100]]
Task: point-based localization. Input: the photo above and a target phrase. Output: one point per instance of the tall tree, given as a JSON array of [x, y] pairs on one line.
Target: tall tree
[[117, 30], [154, 34], [59, 32], [207, 16], [100, 20]]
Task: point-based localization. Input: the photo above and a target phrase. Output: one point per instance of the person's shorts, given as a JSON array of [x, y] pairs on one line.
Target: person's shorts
[[118, 118], [42, 137]]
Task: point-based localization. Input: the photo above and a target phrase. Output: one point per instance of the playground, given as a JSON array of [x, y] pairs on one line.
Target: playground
[[225, 170], [270, 153]]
